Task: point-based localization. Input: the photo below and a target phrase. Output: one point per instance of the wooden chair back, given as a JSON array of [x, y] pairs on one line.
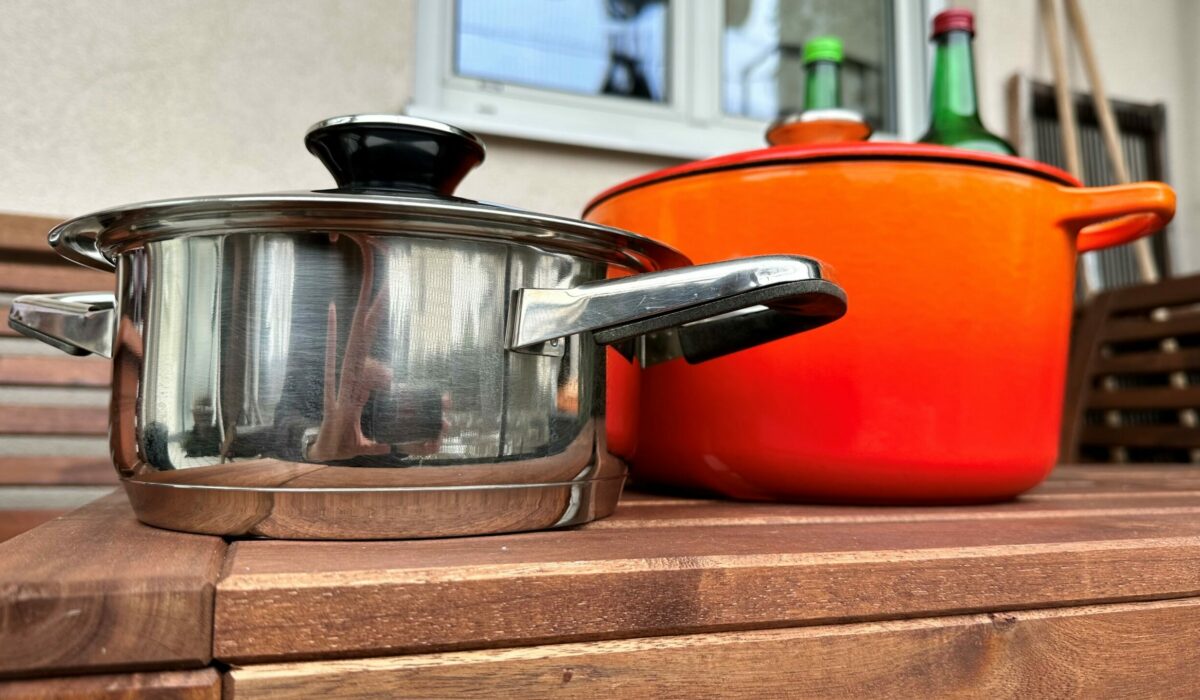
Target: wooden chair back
[[53, 407], [1133, 388]]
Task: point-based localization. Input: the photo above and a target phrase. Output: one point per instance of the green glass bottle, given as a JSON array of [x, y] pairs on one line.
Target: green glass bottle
[[822, 68], [954, 106]]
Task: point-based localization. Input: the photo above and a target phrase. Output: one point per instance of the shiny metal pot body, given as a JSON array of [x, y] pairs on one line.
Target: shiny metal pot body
[[352, 362]]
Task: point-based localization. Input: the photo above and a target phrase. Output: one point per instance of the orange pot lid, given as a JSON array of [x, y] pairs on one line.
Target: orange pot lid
[[841, 152]]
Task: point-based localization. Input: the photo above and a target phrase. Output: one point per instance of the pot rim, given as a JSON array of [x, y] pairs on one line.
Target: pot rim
[[841, 152], [96, 239]]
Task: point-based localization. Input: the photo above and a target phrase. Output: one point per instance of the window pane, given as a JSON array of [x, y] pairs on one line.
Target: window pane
[[590, 47], [762, 72]]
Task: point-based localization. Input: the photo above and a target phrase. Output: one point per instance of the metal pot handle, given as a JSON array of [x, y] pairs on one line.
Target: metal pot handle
[[78, 323], [697, 313]]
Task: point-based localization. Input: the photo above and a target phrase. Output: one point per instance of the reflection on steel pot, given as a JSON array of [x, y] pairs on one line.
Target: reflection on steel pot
[[383, 359], [946, 381]]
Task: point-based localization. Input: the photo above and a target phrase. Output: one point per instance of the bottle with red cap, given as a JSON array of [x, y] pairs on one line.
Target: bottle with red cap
[[954, 106]]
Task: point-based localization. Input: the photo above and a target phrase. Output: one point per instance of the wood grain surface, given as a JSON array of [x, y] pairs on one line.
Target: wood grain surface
[[1086, 587], [666, 566], [95, 591], [1138, 650], [202, 684], [1104, 481], [15, 522]]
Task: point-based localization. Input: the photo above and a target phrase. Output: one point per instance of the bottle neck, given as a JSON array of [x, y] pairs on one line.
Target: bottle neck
[[953, 97], [822, 88]]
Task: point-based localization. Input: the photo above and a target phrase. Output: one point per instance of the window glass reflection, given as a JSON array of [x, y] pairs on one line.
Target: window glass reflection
[[762, 72], [590, 47]]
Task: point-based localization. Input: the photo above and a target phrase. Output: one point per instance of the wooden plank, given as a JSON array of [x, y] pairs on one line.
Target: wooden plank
[[1148, 473], [53, 420], [1113, 489], [288, 600], [30, 470], [1141, 436], [50, 278], [1148, 362], [633, 496], [54, 371], [1118, 480], [15, 522], [1096, 481], [1143, 650], [1170, 398], [1126, 329], [96, 591], [203, 684], [727, 513], [26, 232], [1164, 293]]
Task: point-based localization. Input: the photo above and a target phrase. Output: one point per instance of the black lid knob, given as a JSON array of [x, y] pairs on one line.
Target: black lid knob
[[391, 153]]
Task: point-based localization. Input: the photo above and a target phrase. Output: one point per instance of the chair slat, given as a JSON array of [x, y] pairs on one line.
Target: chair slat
[[31, 470], [1167, 398], [53, 420], [1142, 436], [5, 329], [1157, 362], [1129, 329], [26, 233], [54, 371], [1178, 291], [51, 278]]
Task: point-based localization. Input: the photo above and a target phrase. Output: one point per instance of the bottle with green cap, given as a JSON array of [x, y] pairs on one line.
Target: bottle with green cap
[[822, 68], [823, 119], [954, 106]]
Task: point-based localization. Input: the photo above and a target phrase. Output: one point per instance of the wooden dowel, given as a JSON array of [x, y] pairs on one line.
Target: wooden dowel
[[1062, 89], [1108, 126]]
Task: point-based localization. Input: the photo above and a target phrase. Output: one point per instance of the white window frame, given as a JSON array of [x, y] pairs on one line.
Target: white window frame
[[691, 125]]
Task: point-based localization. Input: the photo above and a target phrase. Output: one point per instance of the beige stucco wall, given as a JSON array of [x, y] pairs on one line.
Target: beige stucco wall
[[111, 101]]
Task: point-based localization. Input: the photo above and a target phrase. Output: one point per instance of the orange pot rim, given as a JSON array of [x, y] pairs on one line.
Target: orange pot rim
[[861, 151]]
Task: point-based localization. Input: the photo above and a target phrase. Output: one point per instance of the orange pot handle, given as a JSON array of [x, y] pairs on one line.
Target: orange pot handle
[[1103, 217]]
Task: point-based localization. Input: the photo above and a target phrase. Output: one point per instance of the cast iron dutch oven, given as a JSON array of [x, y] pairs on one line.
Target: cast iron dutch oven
[[945, 381]]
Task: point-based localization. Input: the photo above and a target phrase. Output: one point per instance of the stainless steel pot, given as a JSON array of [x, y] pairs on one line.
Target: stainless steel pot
[[383, 359]]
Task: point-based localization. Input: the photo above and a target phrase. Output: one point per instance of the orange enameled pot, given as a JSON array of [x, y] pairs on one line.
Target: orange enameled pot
[[944, 381]]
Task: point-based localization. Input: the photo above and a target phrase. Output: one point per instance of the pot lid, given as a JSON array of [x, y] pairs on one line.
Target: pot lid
[[792, 154], [395, 175]]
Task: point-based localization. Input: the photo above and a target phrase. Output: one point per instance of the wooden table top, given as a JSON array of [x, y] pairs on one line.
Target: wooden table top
[[1090, 584]]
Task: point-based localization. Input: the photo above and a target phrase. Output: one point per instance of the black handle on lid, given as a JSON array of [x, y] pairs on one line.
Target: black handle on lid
[[391, 153]]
